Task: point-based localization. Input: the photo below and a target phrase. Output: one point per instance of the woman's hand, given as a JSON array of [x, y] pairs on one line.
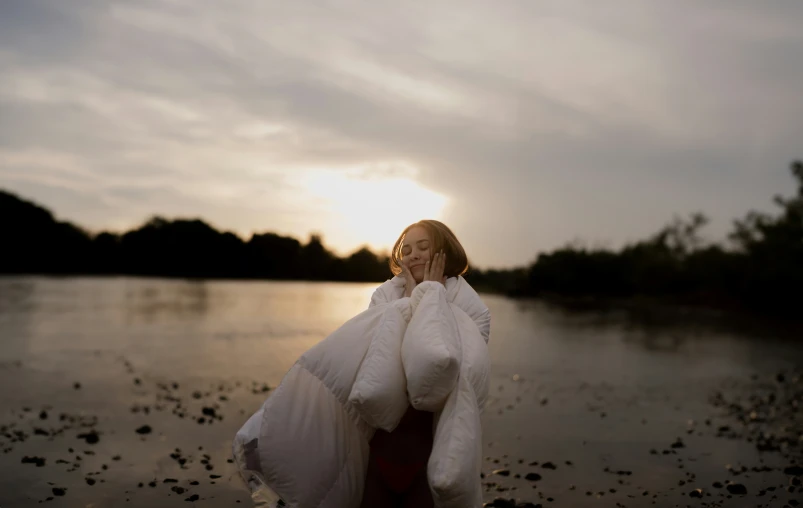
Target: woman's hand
[[408, 276], [434, 268]]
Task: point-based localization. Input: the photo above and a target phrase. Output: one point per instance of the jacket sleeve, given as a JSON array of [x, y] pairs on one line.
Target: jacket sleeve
[[483, 322], [383, 294], [471, 303], [378, 298], [379, 392], [431, 349]]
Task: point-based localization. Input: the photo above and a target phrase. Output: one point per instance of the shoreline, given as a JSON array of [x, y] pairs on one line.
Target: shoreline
[[125, 437]]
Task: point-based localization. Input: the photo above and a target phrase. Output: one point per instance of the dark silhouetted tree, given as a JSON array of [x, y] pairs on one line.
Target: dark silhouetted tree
[[271, 256], [316, 261], [34, 242]]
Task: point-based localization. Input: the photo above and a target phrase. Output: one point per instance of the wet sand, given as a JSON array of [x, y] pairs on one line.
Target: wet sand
[[108, 434], [101, 431], [733, 443]]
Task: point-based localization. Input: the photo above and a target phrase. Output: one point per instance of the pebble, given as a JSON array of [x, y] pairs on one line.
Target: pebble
[[737, 489], [90, 437], [39, 461], [678, 444]]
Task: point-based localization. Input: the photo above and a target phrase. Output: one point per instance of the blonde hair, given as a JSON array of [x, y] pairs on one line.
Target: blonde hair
[[441, 238]]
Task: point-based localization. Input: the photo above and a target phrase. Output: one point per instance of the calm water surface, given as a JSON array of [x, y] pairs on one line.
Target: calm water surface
[[259, 329]]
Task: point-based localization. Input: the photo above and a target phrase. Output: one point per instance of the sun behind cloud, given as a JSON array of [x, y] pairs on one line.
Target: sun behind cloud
[[370, 206]]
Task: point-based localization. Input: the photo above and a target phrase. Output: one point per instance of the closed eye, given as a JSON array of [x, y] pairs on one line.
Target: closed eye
[[422, 245]]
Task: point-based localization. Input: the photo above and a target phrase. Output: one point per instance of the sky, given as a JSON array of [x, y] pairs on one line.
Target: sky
[[522, 125]]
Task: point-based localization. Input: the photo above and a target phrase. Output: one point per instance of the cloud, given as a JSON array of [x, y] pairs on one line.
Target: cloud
[[538, 122]]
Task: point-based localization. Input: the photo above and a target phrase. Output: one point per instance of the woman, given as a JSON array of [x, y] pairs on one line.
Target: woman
[[414, 364], [425, 251]]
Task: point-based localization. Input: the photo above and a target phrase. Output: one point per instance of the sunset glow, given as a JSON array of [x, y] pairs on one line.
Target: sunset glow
[[370, 210]]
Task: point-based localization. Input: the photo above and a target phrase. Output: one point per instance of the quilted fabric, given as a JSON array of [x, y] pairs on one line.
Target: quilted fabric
[[309, 442]]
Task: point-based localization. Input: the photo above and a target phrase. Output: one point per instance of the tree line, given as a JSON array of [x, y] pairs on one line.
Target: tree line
[[36, 243], [760, 267]]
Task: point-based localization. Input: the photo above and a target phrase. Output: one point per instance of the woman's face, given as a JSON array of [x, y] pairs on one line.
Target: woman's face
[[416, 251]]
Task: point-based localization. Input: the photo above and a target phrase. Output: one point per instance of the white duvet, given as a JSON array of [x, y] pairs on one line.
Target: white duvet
[[309, 442]]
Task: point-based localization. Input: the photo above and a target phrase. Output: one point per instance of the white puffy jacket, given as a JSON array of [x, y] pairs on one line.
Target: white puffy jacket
[[309, 442]]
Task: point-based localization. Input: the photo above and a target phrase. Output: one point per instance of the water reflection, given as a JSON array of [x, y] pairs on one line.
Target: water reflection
[[655, 328], [156, 300], [18, 303], [263, 326], [16, 295]]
